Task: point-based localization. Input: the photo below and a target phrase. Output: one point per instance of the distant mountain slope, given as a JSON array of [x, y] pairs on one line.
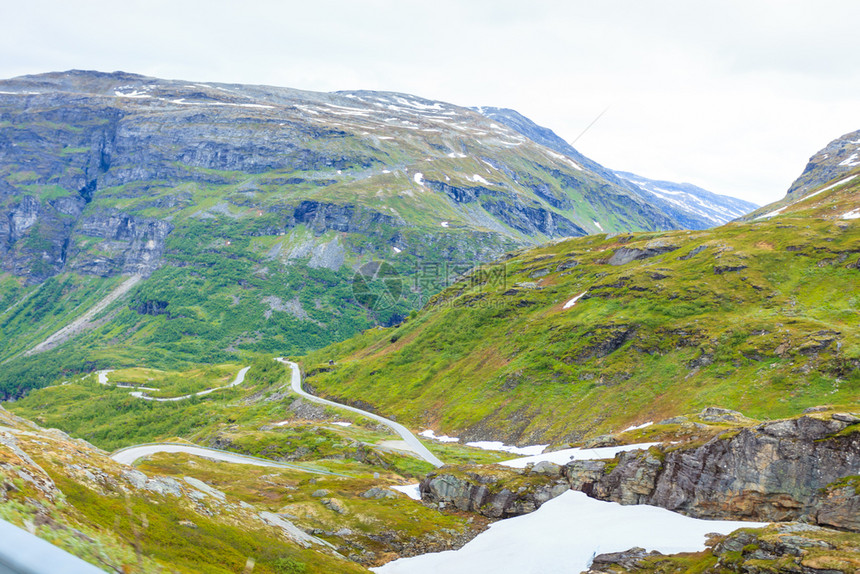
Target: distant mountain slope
[[694, 200], [838, 157], [589, 335], [691, 206], [249, 209], [833, 166]]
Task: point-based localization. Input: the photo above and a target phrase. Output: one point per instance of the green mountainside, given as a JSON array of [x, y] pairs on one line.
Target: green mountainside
[[250, 211], [419, 260], [330, 508], [586, 336]]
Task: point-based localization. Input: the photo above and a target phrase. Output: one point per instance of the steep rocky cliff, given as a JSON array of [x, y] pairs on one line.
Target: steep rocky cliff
[[496, 492], [783, 470], [835, 165], [805, 468], [142, 145]]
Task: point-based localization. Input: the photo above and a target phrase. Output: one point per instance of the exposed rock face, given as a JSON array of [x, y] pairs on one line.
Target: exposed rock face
[[624, 255], [116, 156], [840, 156], [495, 493], [529, 218], [631, 559], [130, 244], [776, 471], [322, 217], [795, 548], [839, 505], [34, 235]]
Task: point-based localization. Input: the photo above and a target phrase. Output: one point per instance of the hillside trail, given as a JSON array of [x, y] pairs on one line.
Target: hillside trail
[[84, 322]]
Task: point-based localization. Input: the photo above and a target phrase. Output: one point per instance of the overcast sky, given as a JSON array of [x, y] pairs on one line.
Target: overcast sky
[[733, 96]]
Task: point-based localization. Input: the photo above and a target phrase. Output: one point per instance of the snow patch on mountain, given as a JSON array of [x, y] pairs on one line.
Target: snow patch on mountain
[[564, 535], [693, 200]]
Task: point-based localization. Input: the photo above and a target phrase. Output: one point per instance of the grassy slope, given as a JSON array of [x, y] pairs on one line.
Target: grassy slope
[[370, 530], [239, 419], [232, 238], [77, 498], [761, 317]]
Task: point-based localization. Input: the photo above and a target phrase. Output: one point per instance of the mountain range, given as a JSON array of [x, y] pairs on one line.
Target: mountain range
[[248, 216], [169, 247]]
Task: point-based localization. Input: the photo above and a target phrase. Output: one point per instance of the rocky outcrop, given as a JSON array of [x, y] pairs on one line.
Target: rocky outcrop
[[794, 548], [529, 218], [775, 471], [35, 235], [839, 504], [129, 244], [494, 492], [322, 217], [624, 255], [839, 157], [40, 238]]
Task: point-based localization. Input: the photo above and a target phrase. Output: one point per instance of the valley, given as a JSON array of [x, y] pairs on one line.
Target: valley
[[263, 330]]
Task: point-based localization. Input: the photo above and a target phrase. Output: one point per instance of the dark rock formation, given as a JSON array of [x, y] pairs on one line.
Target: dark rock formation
[[775, 471], [130, 244], [151, 308], [493, 492], [839, 505], [322, 217], [624, 255]]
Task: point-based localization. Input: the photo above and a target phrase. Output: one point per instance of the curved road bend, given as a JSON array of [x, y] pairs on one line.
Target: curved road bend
[[404, 432], [130, 454], [240, 378]]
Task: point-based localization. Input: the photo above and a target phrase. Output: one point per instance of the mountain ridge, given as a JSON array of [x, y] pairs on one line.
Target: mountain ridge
[[267, 202], [702, 209]]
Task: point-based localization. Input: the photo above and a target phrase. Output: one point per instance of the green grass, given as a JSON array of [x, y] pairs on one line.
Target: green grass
[[653, 338]]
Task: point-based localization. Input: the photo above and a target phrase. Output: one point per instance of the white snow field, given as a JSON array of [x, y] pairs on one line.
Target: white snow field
[[563, 535], [442, 438], [566, 455], [530, 450], [637, 427]]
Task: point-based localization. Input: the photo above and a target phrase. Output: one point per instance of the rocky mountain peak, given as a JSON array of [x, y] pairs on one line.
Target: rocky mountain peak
[[838, 157]]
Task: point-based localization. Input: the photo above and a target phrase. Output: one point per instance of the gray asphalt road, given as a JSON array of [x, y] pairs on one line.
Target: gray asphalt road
[[404, 432], [131, 454], [240, 378]]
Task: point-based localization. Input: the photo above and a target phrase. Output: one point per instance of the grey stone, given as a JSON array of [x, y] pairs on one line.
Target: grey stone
[[136, 478], [849, 418], [548, 468]]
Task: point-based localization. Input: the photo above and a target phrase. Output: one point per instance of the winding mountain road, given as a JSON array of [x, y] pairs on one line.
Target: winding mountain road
[[240, 378], [131, 454], [414, 444]]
